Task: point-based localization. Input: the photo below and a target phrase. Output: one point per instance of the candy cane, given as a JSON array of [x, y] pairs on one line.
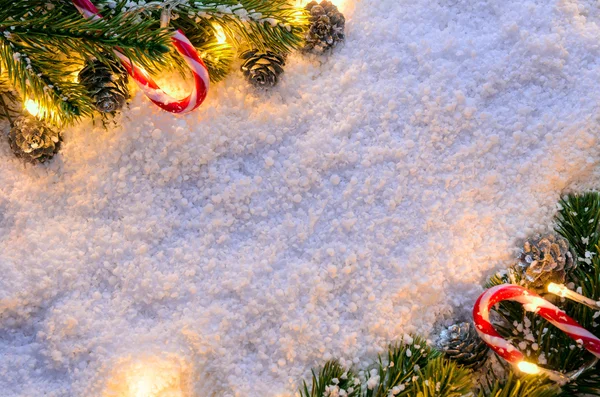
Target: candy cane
[[147, 84], [534, 303]]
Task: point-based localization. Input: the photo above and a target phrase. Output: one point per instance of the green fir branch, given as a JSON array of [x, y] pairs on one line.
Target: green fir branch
[[330, 380], [515, 386], [275, 24], [27, 69], [587, 384], [442, 378], [577, 222], [395, 373], [64, 30], [218, 57]]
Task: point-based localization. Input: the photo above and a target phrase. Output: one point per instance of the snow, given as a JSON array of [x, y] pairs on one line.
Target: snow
[[226, 252]]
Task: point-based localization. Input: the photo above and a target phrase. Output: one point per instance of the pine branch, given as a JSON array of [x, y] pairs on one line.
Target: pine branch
[[331, 379], [396, 372], [218, 57], [43, 45], [587, 384], [577, 221], [28, 70], [275, 24], [442, 378], [64, 30], [526, 386]]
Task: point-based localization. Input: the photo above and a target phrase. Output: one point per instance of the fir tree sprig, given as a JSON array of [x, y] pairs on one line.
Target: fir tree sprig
[[275, 24], [398, 368], [331, 379], [441, 377], [62, 29], [519, 386], [42, 45], [577, 221], [410, 369], [27, 68]]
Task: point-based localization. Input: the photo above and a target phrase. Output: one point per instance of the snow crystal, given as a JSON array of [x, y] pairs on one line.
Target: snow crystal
[[365, 197]]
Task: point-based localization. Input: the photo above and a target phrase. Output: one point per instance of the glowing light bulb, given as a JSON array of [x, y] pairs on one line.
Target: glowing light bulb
[[555, 289], [33, 107], [149, 377], [528, 368], [220, 34], [564, 292]]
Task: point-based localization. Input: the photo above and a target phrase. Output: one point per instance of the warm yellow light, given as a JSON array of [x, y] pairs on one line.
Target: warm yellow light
[[220, 34], [555, 289], [142, 383], [150, 377], [33, 107], [528, 368], [338, 3]]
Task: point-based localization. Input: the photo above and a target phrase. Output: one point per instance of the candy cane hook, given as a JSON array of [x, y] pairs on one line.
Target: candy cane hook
[[534, 303], [145, 81]]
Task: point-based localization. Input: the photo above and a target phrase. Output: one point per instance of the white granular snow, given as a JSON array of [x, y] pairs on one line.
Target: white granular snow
[[226, 252]]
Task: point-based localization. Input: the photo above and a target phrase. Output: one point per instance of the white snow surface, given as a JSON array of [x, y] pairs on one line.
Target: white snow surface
[[367, 196]]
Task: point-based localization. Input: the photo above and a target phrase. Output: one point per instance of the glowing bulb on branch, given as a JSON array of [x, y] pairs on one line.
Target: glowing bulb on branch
[[220, 34], [149, 377], [532, 369], [564, 292], [33, 107], [528, 368]]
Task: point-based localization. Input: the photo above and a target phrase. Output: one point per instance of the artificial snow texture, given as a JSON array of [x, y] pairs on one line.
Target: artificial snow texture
[[368, 195]]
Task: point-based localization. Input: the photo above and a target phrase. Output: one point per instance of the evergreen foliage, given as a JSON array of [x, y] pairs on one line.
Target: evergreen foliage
[[332, 375], [441, 377], [44, 44], [410, 369], [524, 386], [415, 370], [399, 367], [577, 221]]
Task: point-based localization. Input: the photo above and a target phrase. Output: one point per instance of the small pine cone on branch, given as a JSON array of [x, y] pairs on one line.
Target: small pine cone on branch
[[262, 69], [32, 140], [461, 343], [543, 261], [326, 27], [106, 84]]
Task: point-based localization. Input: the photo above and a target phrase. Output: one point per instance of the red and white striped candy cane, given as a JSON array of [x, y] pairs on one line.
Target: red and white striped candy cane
[[145, 81], [534, 303]]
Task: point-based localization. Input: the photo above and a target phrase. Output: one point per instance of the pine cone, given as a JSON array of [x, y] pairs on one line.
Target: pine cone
[[32, 140], [461, 343], [106, 84], [262, 69], [543, 261], [326, 26]]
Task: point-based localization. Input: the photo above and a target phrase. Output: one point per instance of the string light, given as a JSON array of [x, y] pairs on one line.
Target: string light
[[528, 368], [149, 377], [564, 292], [220, 34], [33, 107], [533, 369]]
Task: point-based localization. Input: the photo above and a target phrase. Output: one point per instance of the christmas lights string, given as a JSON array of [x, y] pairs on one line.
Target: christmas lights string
[[534, 303], [145, 81]]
